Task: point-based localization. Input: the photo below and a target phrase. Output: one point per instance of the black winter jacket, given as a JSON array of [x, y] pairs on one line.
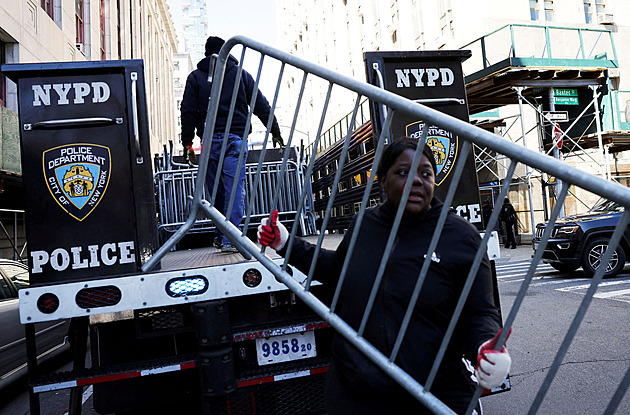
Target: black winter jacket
[[507, 214], [194, 106], [447, 274]]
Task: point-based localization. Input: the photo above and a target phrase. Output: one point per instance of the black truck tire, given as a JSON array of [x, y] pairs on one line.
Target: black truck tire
[[593, 254]]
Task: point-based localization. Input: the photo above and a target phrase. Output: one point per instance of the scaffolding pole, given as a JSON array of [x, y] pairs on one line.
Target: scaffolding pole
[[519, 89], [603, 150]]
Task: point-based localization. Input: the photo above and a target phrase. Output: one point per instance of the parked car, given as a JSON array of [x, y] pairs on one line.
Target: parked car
[[51, 336], [581, 240]]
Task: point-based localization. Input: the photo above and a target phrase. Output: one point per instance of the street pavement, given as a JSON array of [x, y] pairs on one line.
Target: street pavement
[[522, 252]]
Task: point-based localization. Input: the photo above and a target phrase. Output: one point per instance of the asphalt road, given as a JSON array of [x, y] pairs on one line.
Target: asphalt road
[[596, 360]]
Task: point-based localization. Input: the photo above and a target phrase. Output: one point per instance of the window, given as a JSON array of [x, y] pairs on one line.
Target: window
[[3, 79], [118, 30], [5, 291], [47, 5], [533, 10], [600, 6], [102, 34], [78, 12], [17, 274], [445, 15], [549, 10], [588, 11]]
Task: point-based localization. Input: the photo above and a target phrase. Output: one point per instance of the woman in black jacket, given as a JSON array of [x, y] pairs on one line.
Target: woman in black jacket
[[355, 384]]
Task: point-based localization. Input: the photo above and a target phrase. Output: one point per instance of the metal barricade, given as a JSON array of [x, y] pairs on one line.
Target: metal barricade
[[175, 186], [269, 194]]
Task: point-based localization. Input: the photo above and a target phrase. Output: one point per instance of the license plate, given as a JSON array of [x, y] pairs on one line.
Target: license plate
[[285, 348]]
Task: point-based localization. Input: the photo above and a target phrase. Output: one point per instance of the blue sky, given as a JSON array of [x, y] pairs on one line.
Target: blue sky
[[251, 18]]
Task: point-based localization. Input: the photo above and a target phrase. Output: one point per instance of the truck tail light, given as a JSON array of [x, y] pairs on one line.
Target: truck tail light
[[193, 285], [98, 297], [252, 278], [48, 303]]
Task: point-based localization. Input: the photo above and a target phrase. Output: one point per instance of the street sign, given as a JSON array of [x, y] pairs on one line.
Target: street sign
[[557, 115], [565, 92], [565, 96], [566, 100]]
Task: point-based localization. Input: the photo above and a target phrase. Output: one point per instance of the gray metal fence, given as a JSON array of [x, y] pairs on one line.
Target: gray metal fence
[[175, 185], [471, 135]]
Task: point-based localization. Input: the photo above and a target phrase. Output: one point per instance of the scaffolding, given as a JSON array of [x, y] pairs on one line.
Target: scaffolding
[[566, 77], [562, 83]]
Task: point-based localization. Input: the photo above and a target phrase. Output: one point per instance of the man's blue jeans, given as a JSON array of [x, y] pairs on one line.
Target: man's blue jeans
[[226, 179]]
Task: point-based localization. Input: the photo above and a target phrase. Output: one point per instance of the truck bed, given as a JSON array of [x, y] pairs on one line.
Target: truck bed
[[202, 257], [210, 256]]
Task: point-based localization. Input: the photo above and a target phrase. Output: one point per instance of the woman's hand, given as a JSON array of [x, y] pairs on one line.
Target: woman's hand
[[493, 366], [272, 234]]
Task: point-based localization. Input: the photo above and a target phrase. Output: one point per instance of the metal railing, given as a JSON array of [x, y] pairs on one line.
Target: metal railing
[[175, 186], [470, 135], [15, 225], [591, 47], [336, 133]]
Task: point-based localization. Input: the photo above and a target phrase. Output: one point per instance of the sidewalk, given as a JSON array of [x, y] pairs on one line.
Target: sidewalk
[[521, 253]]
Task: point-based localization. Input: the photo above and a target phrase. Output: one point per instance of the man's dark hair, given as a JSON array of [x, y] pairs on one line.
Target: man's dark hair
[[396, 148], [213, 45]]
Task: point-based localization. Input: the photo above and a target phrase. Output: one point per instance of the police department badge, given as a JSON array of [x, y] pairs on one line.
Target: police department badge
[[77, 176], [443, 144]]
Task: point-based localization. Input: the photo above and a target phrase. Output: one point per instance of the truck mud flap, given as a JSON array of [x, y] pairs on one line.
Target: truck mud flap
[[215, 360]]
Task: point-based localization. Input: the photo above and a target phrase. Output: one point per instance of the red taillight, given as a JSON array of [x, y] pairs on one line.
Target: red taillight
[[48, 303], [252, 278]]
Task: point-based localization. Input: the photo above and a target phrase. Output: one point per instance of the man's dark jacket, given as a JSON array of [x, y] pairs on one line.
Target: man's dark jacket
[[194, 105]]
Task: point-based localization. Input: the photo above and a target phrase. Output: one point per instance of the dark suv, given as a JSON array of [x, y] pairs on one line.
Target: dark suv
[[581, 240]]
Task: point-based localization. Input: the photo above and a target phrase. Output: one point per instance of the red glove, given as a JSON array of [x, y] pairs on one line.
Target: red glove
[[272, 234], [493, 366]]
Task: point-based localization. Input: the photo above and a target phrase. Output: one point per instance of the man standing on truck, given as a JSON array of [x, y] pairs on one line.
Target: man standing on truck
[[194, 108]]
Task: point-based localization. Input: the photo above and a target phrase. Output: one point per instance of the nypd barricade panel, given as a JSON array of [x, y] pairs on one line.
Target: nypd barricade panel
[[83, 169], [434, 79]]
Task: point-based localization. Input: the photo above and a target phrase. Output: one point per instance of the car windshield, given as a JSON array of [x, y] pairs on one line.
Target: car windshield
[[605, 205]]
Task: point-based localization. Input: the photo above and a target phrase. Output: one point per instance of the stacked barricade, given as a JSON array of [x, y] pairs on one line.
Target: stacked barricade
[[175, 185]]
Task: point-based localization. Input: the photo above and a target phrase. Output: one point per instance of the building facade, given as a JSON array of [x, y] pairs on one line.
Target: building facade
[[80, 30], [34, 31], [190, 19], [195, 28], [182, 67], [335, 34]]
